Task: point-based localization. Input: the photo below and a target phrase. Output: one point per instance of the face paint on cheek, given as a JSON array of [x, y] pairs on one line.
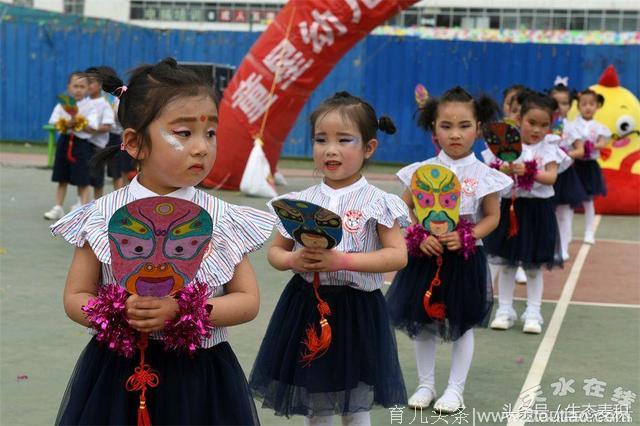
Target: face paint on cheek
[[171, 140]]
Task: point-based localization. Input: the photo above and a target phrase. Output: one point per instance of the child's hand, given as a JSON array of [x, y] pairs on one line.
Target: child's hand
[[431, 246], [299, 261], [505, 168], [518, 169], [147, 314], [451, 240], [326, 260]]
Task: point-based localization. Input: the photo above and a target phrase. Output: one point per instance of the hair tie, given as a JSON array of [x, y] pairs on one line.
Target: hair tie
[[120, 91], [561, 81]]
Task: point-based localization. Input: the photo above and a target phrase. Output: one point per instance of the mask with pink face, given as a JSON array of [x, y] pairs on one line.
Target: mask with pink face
[[157, 244]]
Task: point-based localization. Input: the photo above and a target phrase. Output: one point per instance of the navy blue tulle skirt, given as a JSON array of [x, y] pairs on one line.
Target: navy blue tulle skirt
[[465, 291], [537, 243], [359, 370], [208, 388], [568, 189], [591, 177]]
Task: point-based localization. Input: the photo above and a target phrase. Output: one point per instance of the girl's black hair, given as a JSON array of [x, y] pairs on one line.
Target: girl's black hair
[[530, 99], [150, 88], [588, 92], [484, 108], [360, 112], [561, 88], [76, 73], [515, 87]]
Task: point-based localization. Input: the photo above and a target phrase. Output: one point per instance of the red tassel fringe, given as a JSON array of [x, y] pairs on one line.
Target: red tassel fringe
[[316, 346], [434, 310], [70, 157], [513, 219], [142, 377]]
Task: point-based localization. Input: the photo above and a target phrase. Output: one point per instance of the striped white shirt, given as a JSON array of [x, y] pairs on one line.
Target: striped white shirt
[[237, 231], [362, 207], [476, 180]]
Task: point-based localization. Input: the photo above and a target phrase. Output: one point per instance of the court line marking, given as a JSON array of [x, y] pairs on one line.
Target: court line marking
[[526, 397], [616, 241]]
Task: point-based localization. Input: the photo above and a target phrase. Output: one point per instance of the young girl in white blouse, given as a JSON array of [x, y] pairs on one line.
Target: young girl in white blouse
[[360, 368], [593, 136], [537, 241], [465, 289], [170, 117]]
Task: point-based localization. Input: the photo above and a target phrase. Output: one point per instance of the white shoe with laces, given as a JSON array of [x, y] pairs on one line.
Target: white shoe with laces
[[502, 322], [532, 326], [55, 213], [589, 238], [422, 397], [450, 402], [521, 276]]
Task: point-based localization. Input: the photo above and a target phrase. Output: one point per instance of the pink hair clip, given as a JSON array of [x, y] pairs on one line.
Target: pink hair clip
[[120, 91]]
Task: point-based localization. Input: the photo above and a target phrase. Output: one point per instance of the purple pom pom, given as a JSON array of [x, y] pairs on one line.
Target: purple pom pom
[[467, 240], [527, 180], [414, 236], [192, 323]]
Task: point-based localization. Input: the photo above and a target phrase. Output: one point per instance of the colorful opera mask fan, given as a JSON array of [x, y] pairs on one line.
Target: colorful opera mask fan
[[69, 104], [503, 140], [436, 198], [309, 224], [315, 228], [421, 95], [157, 244]]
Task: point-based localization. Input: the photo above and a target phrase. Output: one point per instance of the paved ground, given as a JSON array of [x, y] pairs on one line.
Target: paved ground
[[591, 332]]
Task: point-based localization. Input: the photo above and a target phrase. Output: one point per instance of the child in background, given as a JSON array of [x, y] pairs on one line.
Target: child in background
[[73, 150], [100, 134], [360, 368], [454, 121], [536, 242], [568, 190], [170, 117], [594, 136], [510, 107]]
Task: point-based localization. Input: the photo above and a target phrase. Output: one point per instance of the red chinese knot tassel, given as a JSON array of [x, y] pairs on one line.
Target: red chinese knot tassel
[[316, 346], [434, 310]]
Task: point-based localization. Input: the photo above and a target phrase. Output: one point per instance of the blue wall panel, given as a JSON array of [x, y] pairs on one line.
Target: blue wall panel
[[36, 57]]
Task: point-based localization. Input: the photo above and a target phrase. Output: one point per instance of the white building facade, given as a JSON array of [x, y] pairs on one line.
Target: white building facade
[[254, 15]]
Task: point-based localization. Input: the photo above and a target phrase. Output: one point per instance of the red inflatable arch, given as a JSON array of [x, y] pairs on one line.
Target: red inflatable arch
[[320, 33]]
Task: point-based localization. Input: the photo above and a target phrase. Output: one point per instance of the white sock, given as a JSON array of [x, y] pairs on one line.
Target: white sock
[[425, 346], [564, 216], [494, 270], [506, 287], [461, 357], [589, 216], [535, 286], [318, 421], [357, 419]]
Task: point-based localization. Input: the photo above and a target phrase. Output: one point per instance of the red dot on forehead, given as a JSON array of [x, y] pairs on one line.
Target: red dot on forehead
[[202, 118]]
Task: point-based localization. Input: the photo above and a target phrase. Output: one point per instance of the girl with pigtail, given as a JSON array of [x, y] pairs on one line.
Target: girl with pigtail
[[464, 296]]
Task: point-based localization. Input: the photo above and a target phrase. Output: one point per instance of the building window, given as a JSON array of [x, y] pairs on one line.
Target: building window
[[75, 7]]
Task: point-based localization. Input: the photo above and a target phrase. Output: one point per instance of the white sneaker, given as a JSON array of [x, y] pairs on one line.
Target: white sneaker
[[450, 402], [422, 397], [589, 238], [502, 322], [55, 213], [521, 276], [565, 256], [75, 206], [532, 326]]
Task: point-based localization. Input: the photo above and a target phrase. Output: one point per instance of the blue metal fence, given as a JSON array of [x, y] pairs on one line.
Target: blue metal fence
[[36, 55]]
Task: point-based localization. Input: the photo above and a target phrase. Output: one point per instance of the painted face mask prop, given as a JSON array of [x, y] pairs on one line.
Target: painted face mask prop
[[157, 244], [309, 224], [503, 140], [436, 197]]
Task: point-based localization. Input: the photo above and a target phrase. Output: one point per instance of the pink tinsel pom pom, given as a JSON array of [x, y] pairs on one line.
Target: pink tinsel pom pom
[[588, 150], [468, 242], [107, 314], [495, 164], [527, 180], [192, 323], [415, 234]]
